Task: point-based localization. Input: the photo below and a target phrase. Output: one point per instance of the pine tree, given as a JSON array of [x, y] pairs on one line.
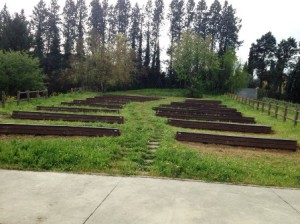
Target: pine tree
[[214, 16], [148, 20], [69, 30], [230, 26], [122, 10], [81, 16], [201, 20], [96, 19], [135, 26], [190, 13], [39, 24], [112, 23], [5, 34]]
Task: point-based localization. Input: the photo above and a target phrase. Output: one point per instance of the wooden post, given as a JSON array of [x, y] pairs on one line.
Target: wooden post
[[46, 93], [18, 98], [28, 95], [257, 108], [263, 107], [3, 99], [285, 113], [37, 94], [296, 117], [269, 108], [276, 110]]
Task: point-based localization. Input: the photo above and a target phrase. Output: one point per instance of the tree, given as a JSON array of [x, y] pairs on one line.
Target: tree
[[81, 16], [112, 23], [201, 19], [39, 25], [135, 26], [230, 26], [190, 13], [214, 20], [69, 31], [148, 20], [5, 29], [96, 20], [293, 83], [285, 51], [261, 57], [19, 71], [122, 10]]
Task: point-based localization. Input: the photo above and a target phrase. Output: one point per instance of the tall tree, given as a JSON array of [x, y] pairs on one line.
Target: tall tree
[[39, 25], [148, 20], [122, 10], [190, 13], [135, 26], [69, 30], [201, 19], [96, 19], [230, 26], [285, 51], [5, 28], [112, 23], [293, 83], [262, 56], [214, 22], [81, 16]]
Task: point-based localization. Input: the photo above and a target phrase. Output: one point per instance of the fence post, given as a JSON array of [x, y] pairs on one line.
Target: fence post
[[296, 117], [269, 108], [18, 98], [3, 99], [285, 112], [37, 94], [263, 106], [257, 108], [46, 93], [28, 95], [276, 110]]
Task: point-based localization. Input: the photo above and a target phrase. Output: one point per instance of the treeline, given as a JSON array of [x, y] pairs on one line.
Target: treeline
[[103, 45], [275, 67]]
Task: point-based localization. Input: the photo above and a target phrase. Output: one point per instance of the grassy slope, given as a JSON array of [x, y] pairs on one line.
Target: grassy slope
[[128, 154]]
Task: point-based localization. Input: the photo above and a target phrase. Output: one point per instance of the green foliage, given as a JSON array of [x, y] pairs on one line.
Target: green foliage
[[19, 71]]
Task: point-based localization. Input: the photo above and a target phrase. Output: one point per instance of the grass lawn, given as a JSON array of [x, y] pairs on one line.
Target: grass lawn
[[129, 155]]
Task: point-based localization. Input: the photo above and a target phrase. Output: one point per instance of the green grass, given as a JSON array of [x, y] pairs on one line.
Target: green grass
[[128, 154]]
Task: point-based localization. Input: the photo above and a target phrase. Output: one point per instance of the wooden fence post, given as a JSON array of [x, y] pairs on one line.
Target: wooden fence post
[[263, 106], [269, 108], [28, 95], [18, 98], [3, 99], [296, 117], [285, 113], [46, 93], [257, 108], [276, 110]]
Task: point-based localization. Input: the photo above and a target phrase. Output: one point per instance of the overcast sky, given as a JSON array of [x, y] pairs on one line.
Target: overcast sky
[[258, 17]]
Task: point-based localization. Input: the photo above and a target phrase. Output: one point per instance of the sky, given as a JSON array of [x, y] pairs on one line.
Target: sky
[[258, 17]]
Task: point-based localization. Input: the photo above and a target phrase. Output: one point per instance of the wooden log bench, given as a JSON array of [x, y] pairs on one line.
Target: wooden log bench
[[108, 100], [76, 110], [234, 119], [264, 143], [24, 129], [193, 106], [218, 126], [198, 111], [207, 102], [133, 98], [66, 117], [100, 105]]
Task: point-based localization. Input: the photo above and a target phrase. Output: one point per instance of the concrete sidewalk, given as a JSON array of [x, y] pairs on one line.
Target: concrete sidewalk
[[29, 197]]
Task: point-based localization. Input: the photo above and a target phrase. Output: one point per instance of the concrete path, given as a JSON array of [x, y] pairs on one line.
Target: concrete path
[[29, 197]]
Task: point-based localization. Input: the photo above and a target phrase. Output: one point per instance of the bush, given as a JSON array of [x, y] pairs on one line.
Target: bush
[[19, 71]]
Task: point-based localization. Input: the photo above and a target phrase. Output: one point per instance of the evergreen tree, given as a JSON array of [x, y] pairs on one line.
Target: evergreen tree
[[122, 10], [69, 30], [112, 23], [148, 20], [135, 26], [96, 19], [201, 20], [230, 26], [262, 56], [285, 51], [293, 83], [190, 13], [39, 25], [5, 34], [81, 16], [214, 23], [105, 19]]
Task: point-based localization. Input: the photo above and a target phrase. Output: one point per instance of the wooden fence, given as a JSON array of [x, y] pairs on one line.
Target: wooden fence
[[286, 112], [23, 96]]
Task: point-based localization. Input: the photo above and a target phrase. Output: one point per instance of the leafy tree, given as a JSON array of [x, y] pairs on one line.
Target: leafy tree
[[39, 25], [239, 79], [19, 71], [69, 30], [293, 83]]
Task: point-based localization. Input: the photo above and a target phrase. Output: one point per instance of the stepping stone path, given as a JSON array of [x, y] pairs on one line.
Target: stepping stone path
[[152, 146]]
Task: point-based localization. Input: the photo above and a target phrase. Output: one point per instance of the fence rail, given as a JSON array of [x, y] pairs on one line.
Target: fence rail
[[23, 96], [273, 108]]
